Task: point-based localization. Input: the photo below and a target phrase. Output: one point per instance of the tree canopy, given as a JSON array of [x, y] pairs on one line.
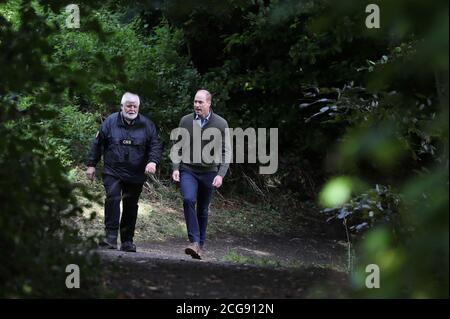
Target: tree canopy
[[362, 116]]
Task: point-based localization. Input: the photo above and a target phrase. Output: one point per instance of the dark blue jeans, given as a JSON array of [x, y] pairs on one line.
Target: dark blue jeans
[[197, 190], [128, 193]]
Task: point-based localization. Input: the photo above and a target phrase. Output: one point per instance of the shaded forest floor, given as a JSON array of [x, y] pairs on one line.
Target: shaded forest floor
[[266, 269], [252, 251]]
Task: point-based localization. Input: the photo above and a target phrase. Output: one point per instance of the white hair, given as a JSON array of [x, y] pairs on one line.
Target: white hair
[[130, 97]]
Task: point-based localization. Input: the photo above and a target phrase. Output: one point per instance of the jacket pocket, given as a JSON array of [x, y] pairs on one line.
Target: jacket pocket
[[113, 154], [137, 151]]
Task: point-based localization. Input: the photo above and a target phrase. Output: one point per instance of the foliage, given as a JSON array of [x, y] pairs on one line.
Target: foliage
[[75, 132], [396, 132], [150, 65], [37, 199], [367, 104], [379, 206]]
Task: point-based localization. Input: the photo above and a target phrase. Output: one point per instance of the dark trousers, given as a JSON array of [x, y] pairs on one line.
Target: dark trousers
[[197, 191], [117, 190]]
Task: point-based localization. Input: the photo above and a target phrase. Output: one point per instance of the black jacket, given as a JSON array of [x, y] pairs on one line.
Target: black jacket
[[126, 148]]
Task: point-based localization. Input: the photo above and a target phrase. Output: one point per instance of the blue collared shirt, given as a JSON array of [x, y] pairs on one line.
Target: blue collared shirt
[[202, 121]]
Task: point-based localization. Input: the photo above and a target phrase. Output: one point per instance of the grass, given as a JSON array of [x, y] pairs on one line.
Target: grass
[[154, 222], [161, 218], [158, 218], [234, 257], [160, 214], [246, 219]]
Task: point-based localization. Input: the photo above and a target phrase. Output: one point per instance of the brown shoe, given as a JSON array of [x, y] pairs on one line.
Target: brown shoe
[[193, 249]]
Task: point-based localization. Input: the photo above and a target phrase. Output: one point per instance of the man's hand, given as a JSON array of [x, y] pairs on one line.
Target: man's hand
[[150, 168], [217, 182], [176, 176], [90, 172]]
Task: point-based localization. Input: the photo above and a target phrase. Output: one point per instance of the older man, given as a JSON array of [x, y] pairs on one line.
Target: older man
[[198, 178], [131, 148]]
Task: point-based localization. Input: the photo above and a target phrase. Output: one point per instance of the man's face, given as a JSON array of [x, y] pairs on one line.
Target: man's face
[[130, 110], [201, 104]]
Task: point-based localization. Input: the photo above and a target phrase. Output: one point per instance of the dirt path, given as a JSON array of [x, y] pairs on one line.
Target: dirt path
[[232, 268]]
